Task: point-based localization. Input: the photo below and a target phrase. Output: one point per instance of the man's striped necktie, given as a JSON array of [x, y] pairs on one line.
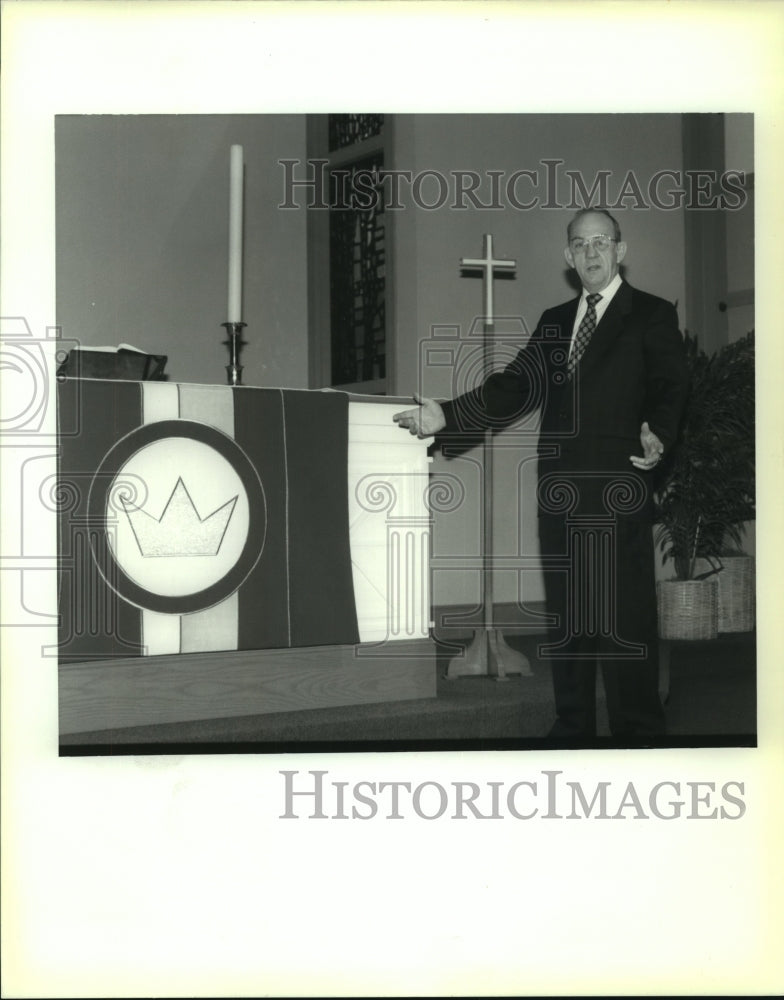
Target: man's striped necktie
[[586, 328]]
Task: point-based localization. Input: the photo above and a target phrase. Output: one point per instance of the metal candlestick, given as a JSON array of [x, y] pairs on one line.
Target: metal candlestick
[[234, 343]]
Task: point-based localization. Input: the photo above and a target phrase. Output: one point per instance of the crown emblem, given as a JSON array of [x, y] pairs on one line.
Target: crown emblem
[[180, 531]]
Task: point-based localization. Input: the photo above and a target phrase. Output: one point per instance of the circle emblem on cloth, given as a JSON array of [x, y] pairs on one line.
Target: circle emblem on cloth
[[177, 517]]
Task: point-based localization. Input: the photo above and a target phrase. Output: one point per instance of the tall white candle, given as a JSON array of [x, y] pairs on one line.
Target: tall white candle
[[235, 235]]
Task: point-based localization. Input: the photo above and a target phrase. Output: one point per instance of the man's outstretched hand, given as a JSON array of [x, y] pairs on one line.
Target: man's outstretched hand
[[423, 420], [652, 449]]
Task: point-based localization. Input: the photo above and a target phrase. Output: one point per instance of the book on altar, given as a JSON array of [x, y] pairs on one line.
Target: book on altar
[[122, 362]]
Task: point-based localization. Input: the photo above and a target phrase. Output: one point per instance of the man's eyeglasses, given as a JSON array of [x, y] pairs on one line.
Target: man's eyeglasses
[[597, 242]]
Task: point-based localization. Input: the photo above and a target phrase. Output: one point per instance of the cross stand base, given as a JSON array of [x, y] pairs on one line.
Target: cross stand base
[[489, 655]]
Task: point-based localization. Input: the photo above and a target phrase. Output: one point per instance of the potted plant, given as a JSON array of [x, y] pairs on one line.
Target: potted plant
[[705, 490]]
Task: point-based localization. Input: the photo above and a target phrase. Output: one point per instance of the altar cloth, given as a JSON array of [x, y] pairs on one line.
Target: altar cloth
[[196, 518]]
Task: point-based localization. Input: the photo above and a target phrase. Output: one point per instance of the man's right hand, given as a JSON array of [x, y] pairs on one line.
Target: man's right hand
[[423, 420]]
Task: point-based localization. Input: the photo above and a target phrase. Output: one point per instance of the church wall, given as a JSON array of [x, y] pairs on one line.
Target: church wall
[[142, 241], [430, 292]]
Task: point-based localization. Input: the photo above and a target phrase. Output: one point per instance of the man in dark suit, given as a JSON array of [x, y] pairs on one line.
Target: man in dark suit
[[608, 372]]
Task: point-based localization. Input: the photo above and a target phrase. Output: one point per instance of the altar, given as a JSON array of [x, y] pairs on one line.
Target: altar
[[228, 550]]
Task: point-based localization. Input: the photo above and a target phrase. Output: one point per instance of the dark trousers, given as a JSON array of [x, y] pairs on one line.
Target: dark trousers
[[601, 596]]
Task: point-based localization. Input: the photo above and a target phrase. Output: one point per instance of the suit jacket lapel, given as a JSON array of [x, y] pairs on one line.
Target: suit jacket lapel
[[564, 321], [609, 327]]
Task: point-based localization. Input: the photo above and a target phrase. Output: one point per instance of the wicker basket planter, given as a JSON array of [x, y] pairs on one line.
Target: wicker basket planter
[[736, 592], [688, 609]]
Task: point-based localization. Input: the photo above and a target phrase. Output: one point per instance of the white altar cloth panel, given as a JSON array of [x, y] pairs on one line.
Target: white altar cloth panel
[[389, 524]]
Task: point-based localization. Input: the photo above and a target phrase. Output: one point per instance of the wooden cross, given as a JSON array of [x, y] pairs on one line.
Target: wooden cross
[[488, 264], [488, 654]]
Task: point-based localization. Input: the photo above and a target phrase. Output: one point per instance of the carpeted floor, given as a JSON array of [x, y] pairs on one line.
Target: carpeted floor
[[711, 702]]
